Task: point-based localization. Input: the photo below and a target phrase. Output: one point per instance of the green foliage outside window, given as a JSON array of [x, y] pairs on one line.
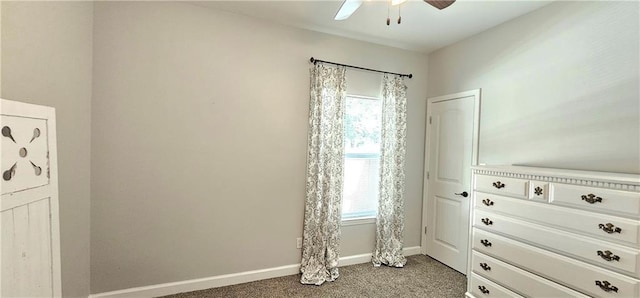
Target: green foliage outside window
[[362, 125]]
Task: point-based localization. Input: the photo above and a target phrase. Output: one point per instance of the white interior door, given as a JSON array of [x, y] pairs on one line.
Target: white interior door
[[30, 242], [452, 138]]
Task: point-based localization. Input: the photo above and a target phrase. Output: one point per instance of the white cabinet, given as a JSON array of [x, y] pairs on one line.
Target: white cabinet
[[30, 242], [538, 232]]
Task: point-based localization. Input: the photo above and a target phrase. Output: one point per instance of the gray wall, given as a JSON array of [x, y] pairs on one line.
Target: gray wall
[[46, 59], [559, 86], [200, 119], [199, 142]]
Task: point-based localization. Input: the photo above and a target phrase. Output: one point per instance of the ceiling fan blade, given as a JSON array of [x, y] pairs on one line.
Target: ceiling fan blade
[[347, 9], [440, 4]]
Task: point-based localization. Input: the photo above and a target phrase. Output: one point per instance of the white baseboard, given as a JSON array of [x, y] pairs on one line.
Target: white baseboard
[[365, 258], [229, 279], [201, 283], [411, 251]]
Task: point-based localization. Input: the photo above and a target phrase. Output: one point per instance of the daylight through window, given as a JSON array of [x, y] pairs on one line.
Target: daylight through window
[[361, 157]]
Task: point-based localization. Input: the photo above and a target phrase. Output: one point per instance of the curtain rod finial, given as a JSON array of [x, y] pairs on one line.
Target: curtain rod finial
[[312, 60], [410, 75]]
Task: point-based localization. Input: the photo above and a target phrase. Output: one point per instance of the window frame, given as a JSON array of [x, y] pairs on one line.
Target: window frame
[[367, 219]]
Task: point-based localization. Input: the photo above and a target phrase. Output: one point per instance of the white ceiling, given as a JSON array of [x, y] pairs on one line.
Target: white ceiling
[[424, 28]]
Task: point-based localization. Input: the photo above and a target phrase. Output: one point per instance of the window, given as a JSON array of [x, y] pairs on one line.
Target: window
[[361, 157]]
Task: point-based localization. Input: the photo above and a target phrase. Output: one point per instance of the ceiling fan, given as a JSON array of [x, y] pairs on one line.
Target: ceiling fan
[[350, 6]]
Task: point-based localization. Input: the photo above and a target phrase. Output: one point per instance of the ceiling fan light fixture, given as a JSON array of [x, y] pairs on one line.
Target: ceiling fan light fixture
[[440, 4], [347, 9]]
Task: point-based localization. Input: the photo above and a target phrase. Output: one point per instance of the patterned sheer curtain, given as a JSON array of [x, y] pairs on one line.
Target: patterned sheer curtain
[[322, 214], [390, 221]]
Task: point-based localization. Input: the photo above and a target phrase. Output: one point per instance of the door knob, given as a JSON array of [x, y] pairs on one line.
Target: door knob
[[464, 194]]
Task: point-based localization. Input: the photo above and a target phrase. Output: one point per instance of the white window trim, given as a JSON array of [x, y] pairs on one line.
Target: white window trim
[[364, 97], [358, 221], [366, 220]]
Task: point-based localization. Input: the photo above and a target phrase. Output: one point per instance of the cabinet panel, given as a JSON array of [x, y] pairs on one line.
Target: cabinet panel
[[518, 280], [25, 153], [606, 227], [502, 185], [482, 287], [597, 252], [597, 199], [29, 209], [590, 279]]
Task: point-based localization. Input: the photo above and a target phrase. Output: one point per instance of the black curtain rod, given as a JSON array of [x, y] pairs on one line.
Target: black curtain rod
[[314, 61]]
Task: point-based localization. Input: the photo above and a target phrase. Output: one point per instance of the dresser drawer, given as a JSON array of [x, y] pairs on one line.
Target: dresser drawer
[[597, 199], [482, 287], [518, 280], [502, 185], [607, 227], [578, 275], [597, 252]]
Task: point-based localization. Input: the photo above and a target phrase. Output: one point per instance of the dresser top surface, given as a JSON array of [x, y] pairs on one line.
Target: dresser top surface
[[633, 179]]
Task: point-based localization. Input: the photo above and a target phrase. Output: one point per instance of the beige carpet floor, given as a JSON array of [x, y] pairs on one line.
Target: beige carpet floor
[[421, 277]]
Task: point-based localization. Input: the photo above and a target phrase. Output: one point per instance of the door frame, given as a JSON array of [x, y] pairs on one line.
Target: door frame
[[476, 93]]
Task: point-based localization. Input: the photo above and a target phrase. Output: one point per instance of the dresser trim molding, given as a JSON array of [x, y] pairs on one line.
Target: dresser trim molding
[[584, 178]]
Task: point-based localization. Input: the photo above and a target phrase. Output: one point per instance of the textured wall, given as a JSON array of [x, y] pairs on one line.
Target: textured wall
[[199, 141], [46, 59], [559, 86]]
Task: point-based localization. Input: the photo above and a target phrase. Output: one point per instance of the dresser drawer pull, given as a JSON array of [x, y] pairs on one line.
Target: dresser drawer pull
[[610, 228], [485, 266], [486, 291], [606, 286], [498, 184], [485, 242], [538, 191], [486, 221], [608, 256], [591, 198], [487, 202]]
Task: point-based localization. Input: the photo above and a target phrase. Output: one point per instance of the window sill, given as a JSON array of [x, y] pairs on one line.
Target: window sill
[[358, 221]]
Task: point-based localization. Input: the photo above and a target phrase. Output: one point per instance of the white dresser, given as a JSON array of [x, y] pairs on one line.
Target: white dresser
[[539, 232]]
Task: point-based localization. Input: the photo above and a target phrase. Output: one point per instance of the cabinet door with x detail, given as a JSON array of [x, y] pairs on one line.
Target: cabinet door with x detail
[[30, 242]]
